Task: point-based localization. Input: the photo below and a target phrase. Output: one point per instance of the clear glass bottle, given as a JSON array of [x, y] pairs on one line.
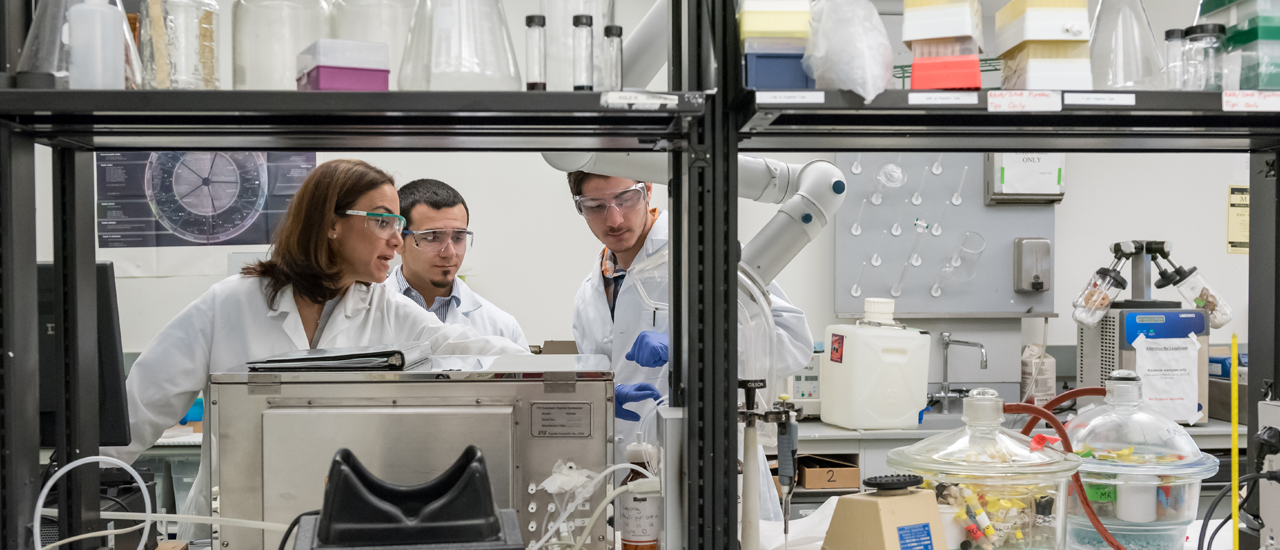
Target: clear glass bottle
[[471, 47], [1123, 51], [1204, 57], [1173, 45], [560, 38], [640, 518], [415, 64], [583, 54], [1095, 300], [612, 57], [535, 51], [1197, 292], [375, 21], [178, 41], [268, 35]]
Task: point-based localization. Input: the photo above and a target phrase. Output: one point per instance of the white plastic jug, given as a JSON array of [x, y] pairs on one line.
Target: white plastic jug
[[875, 373]]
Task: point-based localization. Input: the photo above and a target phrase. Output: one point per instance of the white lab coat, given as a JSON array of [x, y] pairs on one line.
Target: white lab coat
[[473, 311], [596, 332], [232, 324]]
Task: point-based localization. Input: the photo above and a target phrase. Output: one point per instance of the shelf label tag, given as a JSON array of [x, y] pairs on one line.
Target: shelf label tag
[[639, 101], [1126, 100], [1251, 100], [942, 98], [791, 97], [1023, 101]]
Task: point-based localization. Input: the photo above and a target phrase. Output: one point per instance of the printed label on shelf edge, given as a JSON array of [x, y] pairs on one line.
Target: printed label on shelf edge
[[791, 97], [942, 98], [1129, 100], [1023, 101], [644, 101], [1251, 101]]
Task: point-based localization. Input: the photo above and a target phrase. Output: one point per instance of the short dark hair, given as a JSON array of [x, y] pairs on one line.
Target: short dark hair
[[434, 193], [578, 178]]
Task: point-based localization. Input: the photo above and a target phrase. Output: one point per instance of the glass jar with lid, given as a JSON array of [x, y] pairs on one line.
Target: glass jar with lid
[[996, 488], [1095, 300], [1204, 57], [1141, 472]]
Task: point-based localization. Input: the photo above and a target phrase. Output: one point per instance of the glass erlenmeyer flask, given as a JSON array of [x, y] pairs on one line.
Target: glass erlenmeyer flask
[[375, 21], [560, 39], [415, 65], [179, 44], [45, 56], [471, 47], [1123, 52], [268, 35]]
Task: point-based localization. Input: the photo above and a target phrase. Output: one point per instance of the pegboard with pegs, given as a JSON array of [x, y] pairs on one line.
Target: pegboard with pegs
[[914, 228]]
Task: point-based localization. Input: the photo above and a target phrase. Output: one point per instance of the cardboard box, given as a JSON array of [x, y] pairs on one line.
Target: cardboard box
[[829, 472], [1220, 400]]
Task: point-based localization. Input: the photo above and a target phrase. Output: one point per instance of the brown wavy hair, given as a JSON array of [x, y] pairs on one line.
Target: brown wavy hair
[[302, 254]]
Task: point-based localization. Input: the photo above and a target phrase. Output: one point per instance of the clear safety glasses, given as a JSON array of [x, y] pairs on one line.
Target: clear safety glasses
[[626, 201], [382, 224], [436, 240]]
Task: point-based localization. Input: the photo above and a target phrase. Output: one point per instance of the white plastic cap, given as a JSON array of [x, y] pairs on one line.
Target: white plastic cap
[[638, 452], [879, 309]]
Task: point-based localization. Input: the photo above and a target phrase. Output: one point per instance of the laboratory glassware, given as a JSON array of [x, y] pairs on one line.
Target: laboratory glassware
[[1173, 45], [560, 28], [45, 55], [612, 57], [535, 51], [1014, 490], [1141, 471], [1095, 300], [1123, 50], [1204, 57], [178, 43], [375, 21], [95, 29], [583, 54], [471, 49], [415, 64], [962, 263], [891, 176], [1197, 292], [268, 35]]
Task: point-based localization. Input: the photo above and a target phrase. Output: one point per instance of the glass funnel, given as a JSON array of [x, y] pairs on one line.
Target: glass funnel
[[471, 47], [1123, 52]]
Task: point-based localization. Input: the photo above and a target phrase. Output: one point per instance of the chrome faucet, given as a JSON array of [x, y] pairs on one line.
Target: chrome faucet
[[946, 395]]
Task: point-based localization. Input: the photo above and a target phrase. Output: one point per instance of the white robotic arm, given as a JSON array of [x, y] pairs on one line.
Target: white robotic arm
[[810, 195]]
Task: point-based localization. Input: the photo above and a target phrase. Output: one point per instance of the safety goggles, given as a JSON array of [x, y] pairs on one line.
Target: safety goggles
[[436, 240], [382, 224], [625, 201]]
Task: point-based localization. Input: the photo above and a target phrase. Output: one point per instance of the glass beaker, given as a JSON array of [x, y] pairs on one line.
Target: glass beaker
[[178, 42], [1094, 301], [471, 49], [268, 35], [45, 56], [1123, 50], [962, 263], [1204, 57], [375, 21], [415, 65]]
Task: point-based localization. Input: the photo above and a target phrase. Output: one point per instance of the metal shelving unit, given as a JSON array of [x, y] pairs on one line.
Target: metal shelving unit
[[703, 132]]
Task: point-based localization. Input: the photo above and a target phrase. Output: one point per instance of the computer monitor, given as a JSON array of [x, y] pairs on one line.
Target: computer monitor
[[113, 407]]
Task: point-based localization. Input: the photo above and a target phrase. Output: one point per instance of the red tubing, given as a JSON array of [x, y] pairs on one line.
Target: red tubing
[[1063, 398], [1023, 408]]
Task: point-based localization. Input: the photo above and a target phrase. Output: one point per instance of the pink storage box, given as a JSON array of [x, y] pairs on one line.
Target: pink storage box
[[344, 65], [333, 79]]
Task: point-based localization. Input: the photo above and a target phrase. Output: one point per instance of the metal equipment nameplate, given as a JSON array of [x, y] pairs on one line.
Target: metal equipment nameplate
[[561, 420], [1023, 101], [1251, 101], [790, 97], [942, 98]]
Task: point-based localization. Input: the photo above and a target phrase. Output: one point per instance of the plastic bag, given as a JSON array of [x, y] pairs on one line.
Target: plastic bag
[[849, 48]]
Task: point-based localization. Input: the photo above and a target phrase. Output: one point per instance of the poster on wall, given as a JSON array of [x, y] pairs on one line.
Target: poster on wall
[[168, 199], [1238, 219]]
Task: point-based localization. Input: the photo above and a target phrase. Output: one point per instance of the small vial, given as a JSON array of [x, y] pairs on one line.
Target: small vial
[[1174, 44], [613, 57], [583, 57], [536, 51]]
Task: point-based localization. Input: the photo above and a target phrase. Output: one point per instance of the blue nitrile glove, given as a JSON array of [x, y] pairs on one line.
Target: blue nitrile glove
[[650, 349], [632, 393]]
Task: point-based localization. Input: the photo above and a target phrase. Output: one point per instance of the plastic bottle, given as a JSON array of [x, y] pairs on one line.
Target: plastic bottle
[[640, 517], [1173, 44], [179, 44], [96, 31], [535, 50], [583, 54], [612, 57], [375, 21], [268, 35]]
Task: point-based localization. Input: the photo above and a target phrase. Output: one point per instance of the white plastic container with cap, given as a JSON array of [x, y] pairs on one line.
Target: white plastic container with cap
[[875, 373], [96, 30]]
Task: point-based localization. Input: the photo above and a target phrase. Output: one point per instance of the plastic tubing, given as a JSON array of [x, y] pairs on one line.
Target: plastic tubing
[[1065, 396], [1044, 414]]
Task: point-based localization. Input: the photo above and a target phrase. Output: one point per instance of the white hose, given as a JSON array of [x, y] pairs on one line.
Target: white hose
[[596, 515], [583, 495], [44, 493], [229, 522]]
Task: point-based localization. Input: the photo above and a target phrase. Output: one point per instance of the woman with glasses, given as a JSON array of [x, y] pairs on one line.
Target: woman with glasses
[[318, 289]]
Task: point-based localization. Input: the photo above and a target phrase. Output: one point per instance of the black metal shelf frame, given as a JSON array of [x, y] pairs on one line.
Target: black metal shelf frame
[[703, 133]]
